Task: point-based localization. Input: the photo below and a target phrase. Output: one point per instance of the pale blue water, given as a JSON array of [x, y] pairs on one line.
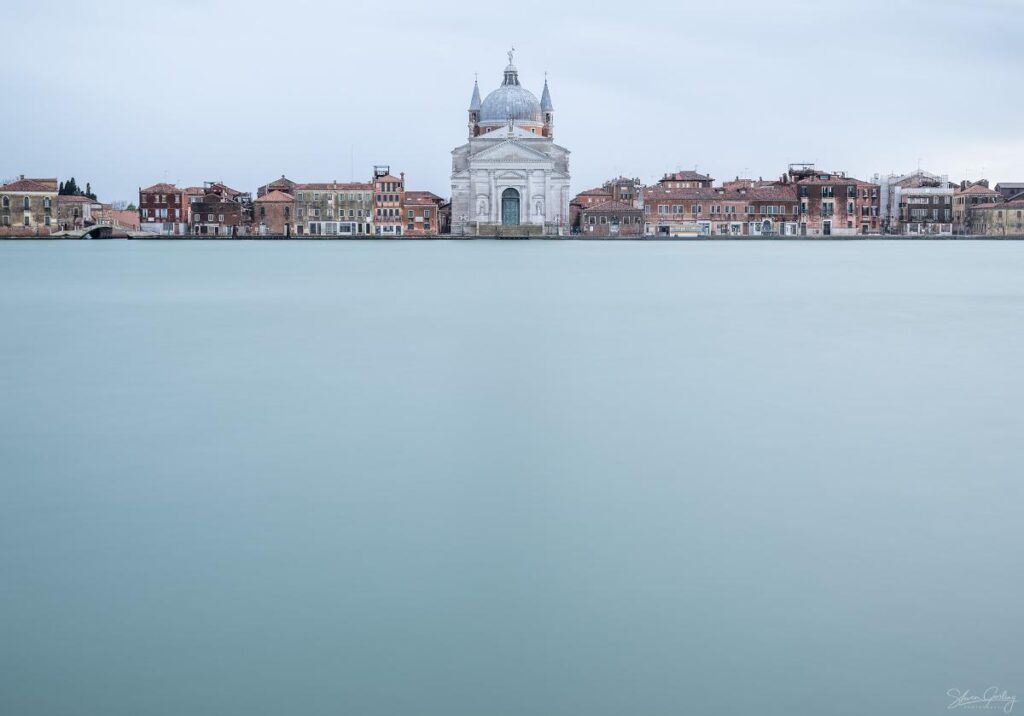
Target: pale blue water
[[509, 478]]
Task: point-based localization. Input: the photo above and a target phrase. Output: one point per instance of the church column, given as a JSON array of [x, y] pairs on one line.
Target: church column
[[495, 199], [547, 194]]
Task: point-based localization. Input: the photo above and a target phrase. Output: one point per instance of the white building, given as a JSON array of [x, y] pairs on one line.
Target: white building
[[511, 178]]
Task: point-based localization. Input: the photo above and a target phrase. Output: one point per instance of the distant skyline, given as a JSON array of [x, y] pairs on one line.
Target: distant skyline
[[124, 95]]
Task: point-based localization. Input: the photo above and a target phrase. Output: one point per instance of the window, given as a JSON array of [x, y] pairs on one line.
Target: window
[[696, 208], [827, 192], [426, 213], [851, 192], [849, 208], [411, 213], [25, 203], [7, 202]]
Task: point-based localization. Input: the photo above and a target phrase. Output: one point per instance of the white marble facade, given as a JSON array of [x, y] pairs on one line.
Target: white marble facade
[[511, 172]]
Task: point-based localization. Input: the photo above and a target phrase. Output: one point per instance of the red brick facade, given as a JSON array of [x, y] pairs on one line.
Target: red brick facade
[[832, 204], [163, 208], [421, 213]]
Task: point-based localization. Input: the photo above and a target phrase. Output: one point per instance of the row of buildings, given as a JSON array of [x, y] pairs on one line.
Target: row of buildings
[[33, 206], [510, 178], [804, 201], [381, 207]]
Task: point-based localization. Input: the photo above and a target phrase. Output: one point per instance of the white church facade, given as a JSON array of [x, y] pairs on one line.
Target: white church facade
[[510, 178]]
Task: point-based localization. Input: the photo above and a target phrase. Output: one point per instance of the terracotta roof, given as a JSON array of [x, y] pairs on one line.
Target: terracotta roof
[[686, 176], [595, 192], [335, 186], [162, 188], [611, 206], [978, 189], [27, 185], [195, 191], [422, 197], [75, 200], [772, 193], [224, 188], [276, 197]]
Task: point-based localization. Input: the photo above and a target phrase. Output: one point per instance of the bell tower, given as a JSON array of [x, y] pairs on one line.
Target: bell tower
[[474, 110], [547, 110]]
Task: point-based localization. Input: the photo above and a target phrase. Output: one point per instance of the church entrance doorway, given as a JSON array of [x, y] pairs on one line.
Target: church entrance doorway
[[510, 207]]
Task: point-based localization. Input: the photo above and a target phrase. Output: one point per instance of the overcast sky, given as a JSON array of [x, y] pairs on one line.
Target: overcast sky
[[124, 94]]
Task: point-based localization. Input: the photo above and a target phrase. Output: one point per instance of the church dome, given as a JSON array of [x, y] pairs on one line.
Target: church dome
[[511, 102]]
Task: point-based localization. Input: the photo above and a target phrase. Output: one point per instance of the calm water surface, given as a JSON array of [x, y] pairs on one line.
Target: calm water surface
[[509, 478]]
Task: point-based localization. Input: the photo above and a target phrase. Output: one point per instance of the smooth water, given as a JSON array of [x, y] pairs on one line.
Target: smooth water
[[486, 478]]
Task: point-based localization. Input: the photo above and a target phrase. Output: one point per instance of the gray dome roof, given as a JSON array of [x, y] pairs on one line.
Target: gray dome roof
[[510, 101]]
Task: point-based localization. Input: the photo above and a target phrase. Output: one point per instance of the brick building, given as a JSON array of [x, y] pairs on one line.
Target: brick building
[[611, 219], [771, 210], [621, 189], [283, 185], [686, 180], [274, 214], [163, 209], [421, 210], [28, 207], [833, 204], [588, 198], [924, 211], [388, 198], [333, 208], [222, 212]]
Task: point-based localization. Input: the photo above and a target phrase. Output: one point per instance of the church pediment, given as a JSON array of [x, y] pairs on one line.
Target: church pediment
[[511, 151]]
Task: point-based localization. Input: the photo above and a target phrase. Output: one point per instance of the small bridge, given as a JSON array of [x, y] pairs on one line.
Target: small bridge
[[97, 231]]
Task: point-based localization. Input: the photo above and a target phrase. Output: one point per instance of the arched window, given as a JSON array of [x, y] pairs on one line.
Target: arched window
[[25, 203], [6, 202]]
